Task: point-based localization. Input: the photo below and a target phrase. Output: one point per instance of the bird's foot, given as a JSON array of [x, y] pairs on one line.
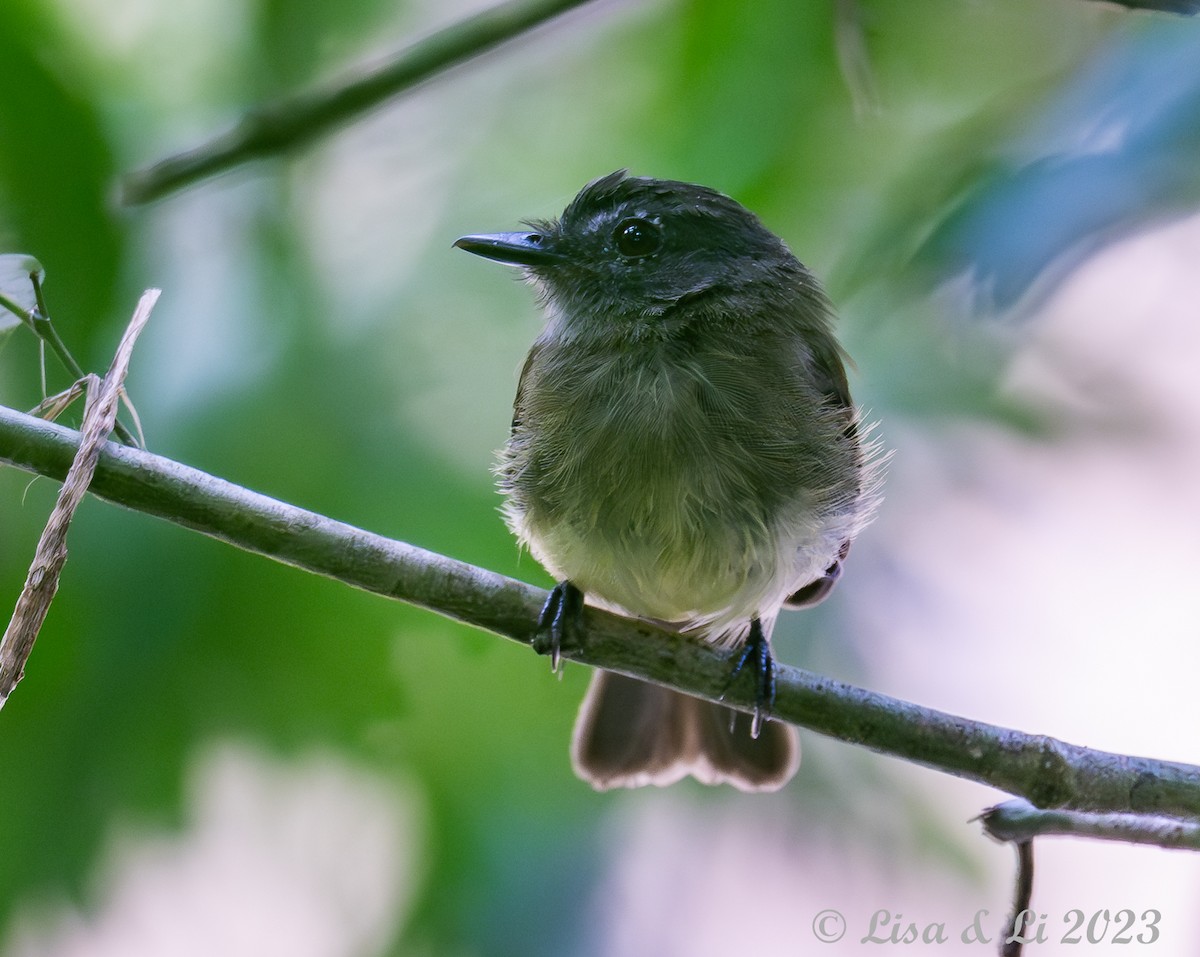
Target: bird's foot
[[560, 622], [757, 653]]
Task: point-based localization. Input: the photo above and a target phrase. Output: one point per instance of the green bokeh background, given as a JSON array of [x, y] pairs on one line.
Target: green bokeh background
[[318, 340]]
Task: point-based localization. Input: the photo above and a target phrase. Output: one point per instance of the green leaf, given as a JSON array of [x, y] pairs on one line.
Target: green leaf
[[16, 288]]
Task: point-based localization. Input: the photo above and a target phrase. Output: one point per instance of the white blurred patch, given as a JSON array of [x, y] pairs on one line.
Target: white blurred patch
[[1043, 583], [307, 858], [171, 51], [1049, 584], [713, 880], [374, 211], [210, 336], [1058, 573]]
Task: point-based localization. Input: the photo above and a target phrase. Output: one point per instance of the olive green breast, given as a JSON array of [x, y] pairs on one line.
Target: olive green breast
[[667, 462]]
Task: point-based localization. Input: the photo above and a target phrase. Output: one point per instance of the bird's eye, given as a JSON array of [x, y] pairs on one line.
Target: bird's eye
[[637, 237]]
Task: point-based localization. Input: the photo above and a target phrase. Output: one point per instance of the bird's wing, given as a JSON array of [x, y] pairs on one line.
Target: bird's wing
[[829, 372], [519, 400]]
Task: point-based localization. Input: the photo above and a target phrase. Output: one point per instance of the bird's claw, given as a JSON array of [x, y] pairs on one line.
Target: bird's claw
[[560, 622], [757, 652]]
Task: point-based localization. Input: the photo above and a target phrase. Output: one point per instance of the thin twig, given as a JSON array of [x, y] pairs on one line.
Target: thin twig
[[275, 128], [16, 309], [1019, 821], [1014, 938], [1185, 7], [38, 322], [1048, 772], [53, 406], [51, 554]]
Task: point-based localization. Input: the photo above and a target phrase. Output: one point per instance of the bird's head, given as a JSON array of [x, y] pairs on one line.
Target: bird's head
[[633, 248]]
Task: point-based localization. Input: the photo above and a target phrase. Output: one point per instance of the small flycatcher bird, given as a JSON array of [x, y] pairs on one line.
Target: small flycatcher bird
[[684, 450]]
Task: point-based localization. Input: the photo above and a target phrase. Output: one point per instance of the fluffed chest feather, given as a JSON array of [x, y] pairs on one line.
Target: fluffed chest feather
[[672, 485]]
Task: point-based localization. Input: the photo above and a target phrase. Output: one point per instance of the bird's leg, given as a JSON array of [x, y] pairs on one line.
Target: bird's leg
[[560, 622], [757, 651]]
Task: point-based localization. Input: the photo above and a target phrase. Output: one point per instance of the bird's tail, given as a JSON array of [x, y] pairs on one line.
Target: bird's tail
[[630, 733]]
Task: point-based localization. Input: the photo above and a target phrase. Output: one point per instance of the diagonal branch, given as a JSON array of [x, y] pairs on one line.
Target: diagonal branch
[[1047, 772], [38, 322], [274, 128]]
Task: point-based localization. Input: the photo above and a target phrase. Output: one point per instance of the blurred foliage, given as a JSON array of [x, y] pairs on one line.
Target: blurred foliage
[[319, 341], [1023, 194]]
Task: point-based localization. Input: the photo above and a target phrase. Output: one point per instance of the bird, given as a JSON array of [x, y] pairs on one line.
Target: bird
[[683, 450]]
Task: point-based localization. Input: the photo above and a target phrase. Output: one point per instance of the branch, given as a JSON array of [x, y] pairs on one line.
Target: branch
[[274, 128], [1020, 822], [1185, 7], [1013, 941], [1047, 772], [38, 321], [51, 554]]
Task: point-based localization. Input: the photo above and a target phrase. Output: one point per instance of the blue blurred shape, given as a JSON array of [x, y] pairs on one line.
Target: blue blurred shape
[[1117, 149]]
